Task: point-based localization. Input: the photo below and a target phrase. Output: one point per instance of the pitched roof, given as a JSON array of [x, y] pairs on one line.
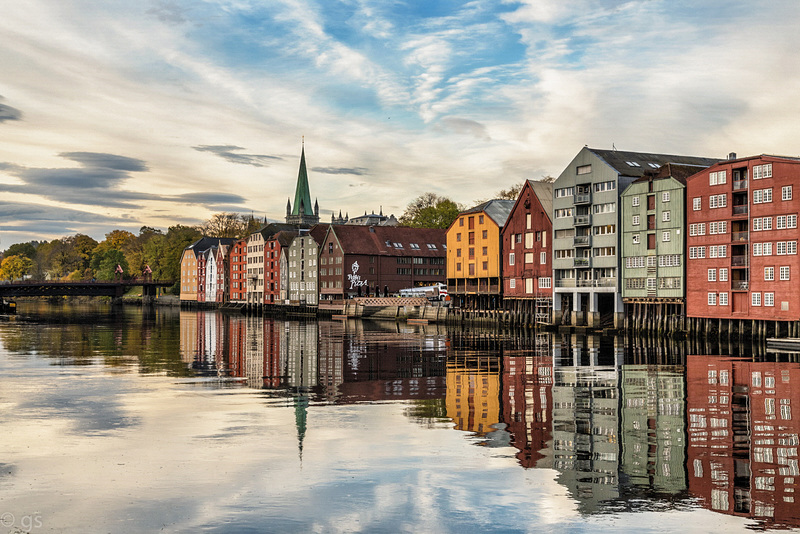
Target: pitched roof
[[671, 170], [205, 243], [390, 240], [284, 237], [271, 229], [544, 192], [498, 209], [636, 163]]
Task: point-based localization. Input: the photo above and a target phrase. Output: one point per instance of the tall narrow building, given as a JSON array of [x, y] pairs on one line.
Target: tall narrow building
[[302, 212]]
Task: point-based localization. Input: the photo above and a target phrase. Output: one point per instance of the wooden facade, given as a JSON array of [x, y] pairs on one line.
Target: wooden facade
[[474, 252]]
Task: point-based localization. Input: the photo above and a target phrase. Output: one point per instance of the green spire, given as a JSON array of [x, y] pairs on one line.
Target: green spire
[[302, 196]]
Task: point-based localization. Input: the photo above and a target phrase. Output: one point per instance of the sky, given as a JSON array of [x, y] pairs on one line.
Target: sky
[[119, 114]]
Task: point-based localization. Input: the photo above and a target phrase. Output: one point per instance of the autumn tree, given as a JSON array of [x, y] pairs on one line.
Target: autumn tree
[[21, 249], [15, 267], [430, 210]]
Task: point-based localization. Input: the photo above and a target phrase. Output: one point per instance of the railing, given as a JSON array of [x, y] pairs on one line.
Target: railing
[[582, 262], [740, 210], [582, 220], [584, 198], [572, 282], [739, 285], [739, 184], [740, 236], [739, 261], [581, 240]]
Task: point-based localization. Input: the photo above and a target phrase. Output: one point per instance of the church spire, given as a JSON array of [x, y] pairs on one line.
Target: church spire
[[301, 208]]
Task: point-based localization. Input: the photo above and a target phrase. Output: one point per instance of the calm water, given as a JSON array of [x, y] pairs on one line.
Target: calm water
[[134, 421]]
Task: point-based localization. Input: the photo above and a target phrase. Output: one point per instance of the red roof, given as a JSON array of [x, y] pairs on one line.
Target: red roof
[[391, 240]]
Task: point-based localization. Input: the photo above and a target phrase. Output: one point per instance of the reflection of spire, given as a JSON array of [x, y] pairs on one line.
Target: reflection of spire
[[300, 419]]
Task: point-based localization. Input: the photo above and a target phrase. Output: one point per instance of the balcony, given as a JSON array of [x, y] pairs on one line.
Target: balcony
[[740, 236], [738, 185], [739, 261], [740, 210], [582, 241], [583, 198], [572, 282], [582, 220], [739, 285], [582, 262]]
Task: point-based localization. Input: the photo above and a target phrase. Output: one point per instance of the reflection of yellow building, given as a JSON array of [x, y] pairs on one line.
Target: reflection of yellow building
[[473, 399], [188, 336]]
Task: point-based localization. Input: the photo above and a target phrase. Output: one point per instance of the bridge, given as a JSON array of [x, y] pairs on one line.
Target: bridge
[[114, 289]]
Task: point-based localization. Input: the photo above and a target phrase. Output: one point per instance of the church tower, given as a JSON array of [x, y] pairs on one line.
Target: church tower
[[302, 212]]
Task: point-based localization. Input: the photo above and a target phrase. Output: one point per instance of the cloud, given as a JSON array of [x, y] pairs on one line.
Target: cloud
[[7, 113], [106, 161], [168, 12], [226, 152], [465, 126], [357, 171]]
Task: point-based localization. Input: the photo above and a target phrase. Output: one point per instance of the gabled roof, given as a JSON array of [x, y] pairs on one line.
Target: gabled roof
[[498, 209], [271, 229], [384, 240], [636, 163], [671, 170], [544, 192], [205, 243], [284, 237]]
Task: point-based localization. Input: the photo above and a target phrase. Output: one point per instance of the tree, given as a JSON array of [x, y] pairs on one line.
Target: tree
[[429, 210], [22, 249], [15, 267], [511, 193], [224, 225], [104, 264]]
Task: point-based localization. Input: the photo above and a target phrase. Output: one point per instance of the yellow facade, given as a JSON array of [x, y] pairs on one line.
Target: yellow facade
[[189, 275], [473, 399], [473, 247]]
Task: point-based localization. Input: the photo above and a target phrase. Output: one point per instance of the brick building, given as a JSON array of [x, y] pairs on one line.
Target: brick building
[[742, 236]]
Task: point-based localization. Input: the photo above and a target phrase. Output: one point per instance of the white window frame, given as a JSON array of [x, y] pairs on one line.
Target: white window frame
[[665, 216], [697, 203], [665, 236], [723, 274], [712, 299], [665, 196], [635, 220], [769, 273], [786, 192], [755, 299], [712, 275], [785, 272], [769, 299], [723, 299]]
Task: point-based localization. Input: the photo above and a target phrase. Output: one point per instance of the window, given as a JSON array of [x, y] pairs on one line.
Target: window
[[665, 196], [512, 283], [755, 299], [635, 221], [784, 272], [544, 282], [563, 213], [786, 192], [635, 239], [543, 258], [762, 171], [665, 216], [712, 275], [717, 201], [564, 192], [769, 273], [723, 275], [780, 222], [791, 221], [511, 258], [697, 203], [712, 299], [634, 201], [717, 178], [605, 229], [609, 207], [458, 237], [599, 187], [529, 257], [723, 299], [583, 169], [665, 236], [485, 234], [762, 196], [769, 299], [485, 251]]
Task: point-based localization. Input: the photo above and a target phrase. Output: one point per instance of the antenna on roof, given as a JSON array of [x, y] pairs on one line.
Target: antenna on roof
[[614, 148]]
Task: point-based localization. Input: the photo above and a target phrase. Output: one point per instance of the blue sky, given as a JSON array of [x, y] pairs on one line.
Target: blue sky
[[120, 114]]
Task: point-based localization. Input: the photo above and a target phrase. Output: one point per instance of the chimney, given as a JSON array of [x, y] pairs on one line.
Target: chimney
[[732, 155]]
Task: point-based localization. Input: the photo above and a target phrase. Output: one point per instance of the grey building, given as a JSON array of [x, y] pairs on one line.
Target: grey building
[[302, 266], [586, 232]]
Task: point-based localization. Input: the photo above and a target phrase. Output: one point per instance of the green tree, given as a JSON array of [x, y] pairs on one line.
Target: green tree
[[15, 267], [104, 264], [21, 249], [430, 211]]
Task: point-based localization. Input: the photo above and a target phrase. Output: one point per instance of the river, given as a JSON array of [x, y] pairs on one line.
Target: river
[[135, 420]]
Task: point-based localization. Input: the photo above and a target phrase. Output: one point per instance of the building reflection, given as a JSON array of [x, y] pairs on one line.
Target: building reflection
[[743, 437], [624, 423]]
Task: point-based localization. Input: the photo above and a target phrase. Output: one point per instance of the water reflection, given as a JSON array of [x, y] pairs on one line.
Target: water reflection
[[624, 425]]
